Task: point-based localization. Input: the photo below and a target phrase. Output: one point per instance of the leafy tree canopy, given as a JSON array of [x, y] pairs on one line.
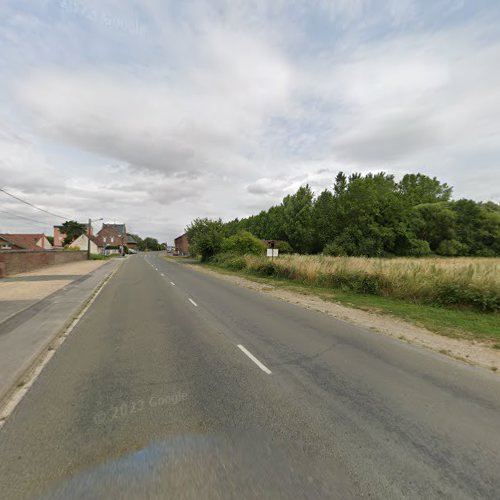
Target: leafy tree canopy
[[205, 237], [367, 215], [72, 229]]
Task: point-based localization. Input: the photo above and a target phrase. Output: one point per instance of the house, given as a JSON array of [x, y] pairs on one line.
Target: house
[[6, 244], [59, 235], [82, 243], [182, 245], [112, 235], [131, 243], [25, 242]]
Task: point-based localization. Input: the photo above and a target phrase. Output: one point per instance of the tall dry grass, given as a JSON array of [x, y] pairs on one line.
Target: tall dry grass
[[470, 282]]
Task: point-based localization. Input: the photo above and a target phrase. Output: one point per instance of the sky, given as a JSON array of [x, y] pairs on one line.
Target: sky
[[154, 112]]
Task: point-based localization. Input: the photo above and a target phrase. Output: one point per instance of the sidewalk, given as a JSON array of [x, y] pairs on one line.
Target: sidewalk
[[36, 307], [25, 289]]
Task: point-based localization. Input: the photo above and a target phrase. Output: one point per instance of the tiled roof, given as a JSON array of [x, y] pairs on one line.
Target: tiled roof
[[27, 241], [118, 227], [130, 239]]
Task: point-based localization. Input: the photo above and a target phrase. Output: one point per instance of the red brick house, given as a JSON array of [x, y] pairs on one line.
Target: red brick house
[[182, 245], [24, 242], [112, 235]]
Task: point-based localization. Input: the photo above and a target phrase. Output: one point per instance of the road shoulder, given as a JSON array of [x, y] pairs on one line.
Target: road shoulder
[[473, 352]]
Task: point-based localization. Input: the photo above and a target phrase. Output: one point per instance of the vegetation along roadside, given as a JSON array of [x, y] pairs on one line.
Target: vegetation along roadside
[[405, 248]]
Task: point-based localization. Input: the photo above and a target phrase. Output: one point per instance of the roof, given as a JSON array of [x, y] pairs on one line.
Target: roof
[[27, 241], [118, 227], [181, 236], [4, 237], [92, 238], [131, 239]]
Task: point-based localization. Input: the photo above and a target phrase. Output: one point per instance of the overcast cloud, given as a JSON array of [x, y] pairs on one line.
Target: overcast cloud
[[152, 113]]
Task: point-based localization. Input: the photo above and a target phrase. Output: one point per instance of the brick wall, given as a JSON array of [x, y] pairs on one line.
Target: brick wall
[[21, 261]]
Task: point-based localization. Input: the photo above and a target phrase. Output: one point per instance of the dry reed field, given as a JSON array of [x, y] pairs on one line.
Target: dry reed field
[[456, 282]]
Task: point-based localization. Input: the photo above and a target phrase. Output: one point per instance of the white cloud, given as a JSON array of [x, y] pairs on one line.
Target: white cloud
[[221, 109]]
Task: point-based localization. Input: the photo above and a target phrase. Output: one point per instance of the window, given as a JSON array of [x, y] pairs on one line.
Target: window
[[112, 239]]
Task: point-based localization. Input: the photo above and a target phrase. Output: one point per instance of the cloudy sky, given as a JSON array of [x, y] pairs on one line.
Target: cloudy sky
[[153, 112]]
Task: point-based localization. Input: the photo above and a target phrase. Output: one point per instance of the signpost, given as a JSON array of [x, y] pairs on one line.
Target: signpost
[[272, 252]]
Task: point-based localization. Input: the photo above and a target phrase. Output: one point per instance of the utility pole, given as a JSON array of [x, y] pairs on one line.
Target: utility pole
[[89, 233]]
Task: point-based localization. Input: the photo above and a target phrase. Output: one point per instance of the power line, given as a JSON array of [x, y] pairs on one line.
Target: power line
[[27, 218], [31, 205]]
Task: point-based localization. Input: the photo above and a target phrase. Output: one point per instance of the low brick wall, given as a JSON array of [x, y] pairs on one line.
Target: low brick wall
[[21, 261]]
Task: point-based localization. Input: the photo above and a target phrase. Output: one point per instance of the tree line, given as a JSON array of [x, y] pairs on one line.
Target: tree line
[[369, 215]]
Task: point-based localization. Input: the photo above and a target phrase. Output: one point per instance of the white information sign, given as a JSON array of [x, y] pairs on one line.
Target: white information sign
[[272, 252]]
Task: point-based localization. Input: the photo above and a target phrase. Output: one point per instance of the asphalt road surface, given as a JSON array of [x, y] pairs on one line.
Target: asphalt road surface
[[176, 384]]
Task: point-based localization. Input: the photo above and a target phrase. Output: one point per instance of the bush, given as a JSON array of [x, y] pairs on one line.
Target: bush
[[98, 256], [419, 248], [264, 267], [451, 248], [456, 293], [334, 250], [229, 261], [284, 247], [75, 248], [243, 243]]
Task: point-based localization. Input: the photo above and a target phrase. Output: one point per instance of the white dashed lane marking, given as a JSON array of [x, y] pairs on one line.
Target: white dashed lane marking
[[263, 367]]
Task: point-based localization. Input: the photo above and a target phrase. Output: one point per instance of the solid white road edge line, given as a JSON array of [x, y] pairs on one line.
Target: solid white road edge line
[[263, 367], [16, 398], [193, 302]]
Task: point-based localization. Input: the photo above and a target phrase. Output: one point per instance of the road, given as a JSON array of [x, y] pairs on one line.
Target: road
[[176, 384]]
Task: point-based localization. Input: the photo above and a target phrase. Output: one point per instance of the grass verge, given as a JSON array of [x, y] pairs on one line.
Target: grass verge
[[454, 323]]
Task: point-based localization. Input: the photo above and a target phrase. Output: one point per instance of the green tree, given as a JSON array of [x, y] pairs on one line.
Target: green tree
[[151, 244], [243, 243], [373, 215], [369, 217], [323, 219], [478, 227], [205, 237], [72, 229], [141, 246], [419, 188], [297, 224], [434, 223]]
